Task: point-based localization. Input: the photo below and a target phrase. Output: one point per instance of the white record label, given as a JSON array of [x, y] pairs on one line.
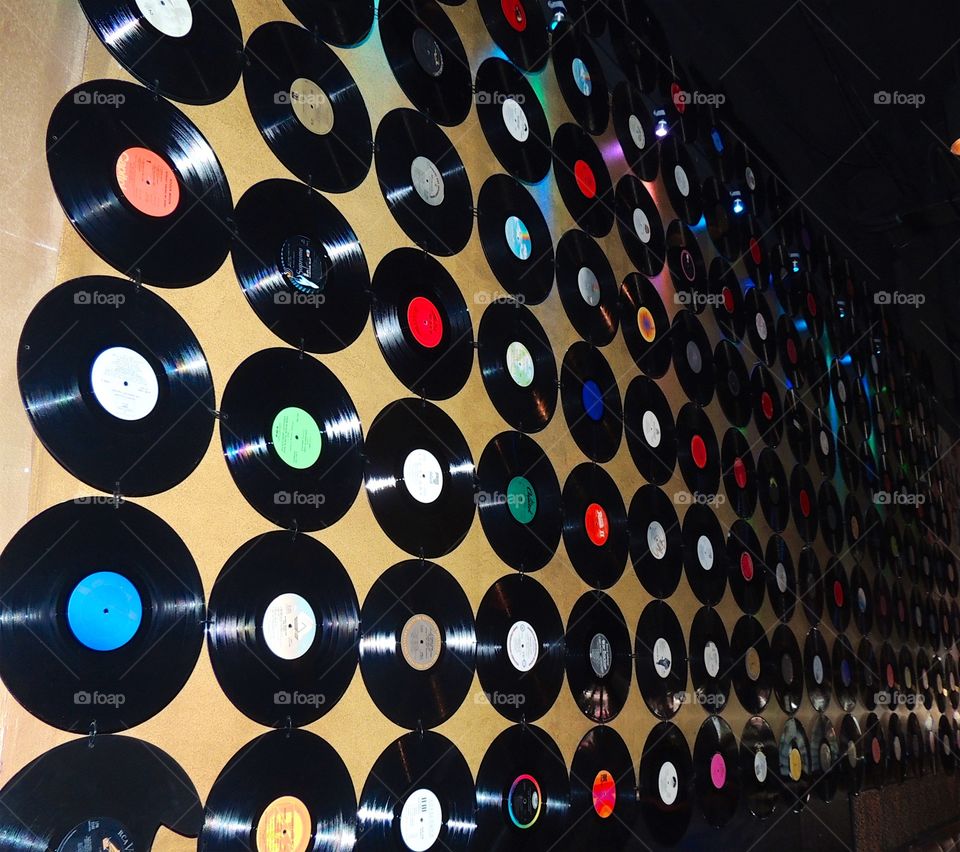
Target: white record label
[[173, 18], [289, 626], [523, 646], [427, 181], [423, 476], [124, 383], [421, 820]]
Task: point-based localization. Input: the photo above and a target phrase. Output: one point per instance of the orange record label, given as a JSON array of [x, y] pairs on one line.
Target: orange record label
[[284, 826], [147, 182]]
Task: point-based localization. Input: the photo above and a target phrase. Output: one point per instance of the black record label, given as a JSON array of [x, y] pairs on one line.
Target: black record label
[[645, 325], [583, 180], [810, 585], [660, 654], [591, 402], [587, 287]]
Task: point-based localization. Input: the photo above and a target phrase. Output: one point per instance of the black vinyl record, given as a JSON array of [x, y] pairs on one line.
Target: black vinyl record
[[645, 325], [519, 501], [307, 107], [752, 666], [852, 764], [635, 131], [288, 605], [861, 605], [660, 655], [583, 180], [704, 553], [423, 181], [824, 759], [666, 784], [692, 357], [421, 322], [680, 179], [520, 648], [787, 669], [759, 759], [728, 308], [588, 288], [522, 793], [781, 578], [427, 58], [739, 473], [291, 439], [794, 766], [797, 424], [599, 662], [746, 568], [129, 789], [300, 266], [419, 477], [698, 452], [875, 749], [343, 23], [844, 664], [102, 619], [890, 608], [519, 27], [803, 501], [837, 593], [688, 272], [716, 770], [282, 783], [515, 239], [810, 585], [595, 531], [115, 385], [831, 516], [656, 543], [139, 182], [733, 384], [190, 52], [869, 673], [640, 226], [709, 659], [580, 77], [418, 795], [789, 346], [603, 789], [767, 405], [418, 644], [916, 750], [639, 43], [817, 670], [591, 402], [761, 331], [773, 489], [517, 365], [896, 751]]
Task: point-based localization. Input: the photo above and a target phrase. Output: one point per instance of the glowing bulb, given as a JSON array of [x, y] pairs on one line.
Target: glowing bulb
[[662, 129], [738, 206]]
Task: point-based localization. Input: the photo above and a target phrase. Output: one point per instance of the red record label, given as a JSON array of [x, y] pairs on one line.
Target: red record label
[[891, 677], [791, 350], [698, 449], [766, 403], [740, 472], [875, 750], [755, 251], [604, 794], [424, 321], [597, 524], [728, 302], [838, 593], [812, 304], [804, 503], [678, 102], [746, 566], [515, 14], [586, 180]]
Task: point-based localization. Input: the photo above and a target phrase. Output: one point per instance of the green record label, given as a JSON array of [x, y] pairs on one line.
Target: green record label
[[522, 499], [296, 438]]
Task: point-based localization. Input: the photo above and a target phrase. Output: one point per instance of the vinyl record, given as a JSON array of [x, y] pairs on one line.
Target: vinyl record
[[817, 670], [421, 321], [599, 664], [810, 585], [580, 77], [634, 126], [831, 516], [698, 453], [666, 784], [739, 473], [733, 384], [103, 615], [773, 490], [519, 501], [824, 759], [660, 654], [595, 532], [869, 673], [591, 402], [418, 795], [787, 669], [753, 249], [640, 226], [285, 788], [916, 751], [844, 664], [746, 568], [588, 288], [656, 543], [761, 332], [307, 107], [427, 58], [890, 608], [680, 179], [291, 439], [692, 357], [794, 767], [522, 793], [781, 578], [798, 427], [188, 52], [515, 239], [517, 366], [418, 643], [519, 27], [645, 325], [789, 346], [837, 593], [343, 23], [129, 789], [710, 661], [803, 501], [423, 179], [300, 266], [583, 180], [752, 665], [767, 406], [688, 271], [759, 759], [639, 43], [419, 477], [603, 790], [852, 764], [115, 385], [814, 363], [289, 605], [716, 770], [875, 749], [861, 597], [727, 299], [704, 553]]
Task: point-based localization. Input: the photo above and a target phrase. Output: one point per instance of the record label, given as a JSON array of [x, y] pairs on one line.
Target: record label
[[589, 286], [718, 771], [711, 658], [604, 792], [781, 578], [656, 540], [421, 820], [592, 400], [651, 429], [518, 238], [427, 52], [874, 750], [303, 263], [586, 179], [796, 764], [668, 783], [597, 524], [515, 14], [147, 182], [761, 326], [636, 132], [524, 801], [423, 476], [515, 120], [751, 178], [760, 766], [746, 566], [289, 626], [523, 646], [124, 383], [520, 364], [740, 472], [646, 324], [705, 552], [104, 611], [420, 642], [425, 322], [683, 182], [522, 499], [311, 106], [786, 669], [601, 655], [818, 669], [581, 76], [694, 358], [662, 657], [284, 826], [752, 663], [427, 181], [297, 438], [173, 18], [641, 224]]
